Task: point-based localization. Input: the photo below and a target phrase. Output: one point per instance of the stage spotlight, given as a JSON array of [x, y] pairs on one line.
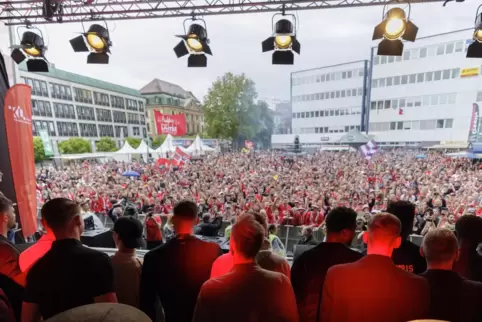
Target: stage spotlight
[[475, 48], [394, 27], [283, 42], [194, 43], [96, 41], [32, 49]]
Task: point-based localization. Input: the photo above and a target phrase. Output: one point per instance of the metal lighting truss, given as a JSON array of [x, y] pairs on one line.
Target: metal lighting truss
[[23, 12]]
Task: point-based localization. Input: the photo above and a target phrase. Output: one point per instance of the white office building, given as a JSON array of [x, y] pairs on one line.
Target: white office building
[[429, 96], [327, 102], [71, 105]]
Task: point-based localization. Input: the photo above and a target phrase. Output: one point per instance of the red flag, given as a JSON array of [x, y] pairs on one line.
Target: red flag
[[180, 157], [400, 111], [163, 162], [170, 124], [18, 124]]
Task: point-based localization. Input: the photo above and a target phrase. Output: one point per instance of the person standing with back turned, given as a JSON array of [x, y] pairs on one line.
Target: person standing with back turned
[[174, 272], [373, 288]]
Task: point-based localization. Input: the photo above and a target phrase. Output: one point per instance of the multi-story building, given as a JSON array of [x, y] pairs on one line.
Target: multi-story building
[[428, 96], [71, 105], [172, 99], [326, 103]]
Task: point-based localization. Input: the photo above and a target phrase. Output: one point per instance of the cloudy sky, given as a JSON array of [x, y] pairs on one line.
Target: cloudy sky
[[143, 49]]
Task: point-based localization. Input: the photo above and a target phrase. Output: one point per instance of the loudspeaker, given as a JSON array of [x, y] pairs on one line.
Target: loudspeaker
[[98, 238]]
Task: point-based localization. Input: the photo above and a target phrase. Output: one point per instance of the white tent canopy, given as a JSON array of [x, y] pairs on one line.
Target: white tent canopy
[[126, 149], [143, 148], [198, 147], [167, 145]]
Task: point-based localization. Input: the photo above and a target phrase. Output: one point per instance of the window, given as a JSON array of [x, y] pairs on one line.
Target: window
[[417, 101], [88, 130], [337, 112], [380, 105], [376, 60], [396, 80], [437, 75], [479, 97], [443, 99], [387, 104], [393, 126], [85, 113], [415, 125], [353, 92], [41, 108], [440, 50], [423, 52], [67, 129], [406, 55], [440, 124], [449, 48], [402, 103], [455, 72], [312, 114], [106, 130], [426, 100], [407, 125], [412, 78], [374, 83], [317, 114], [399, 125], [390, 80], [449, 123], [343, 75], [332, 95], [120, 117], [434, 100], [452, 98], [343, 93], [414, 53], [104, 115], [383, 60], [337, 94], [373, 105], [446, 74], [428, 76], [420, 77], [427, 124], [459, 46], [65, 111], [101, 99], [409, 101], [381, 82], [395, 104], [432, 50], [404, 79]]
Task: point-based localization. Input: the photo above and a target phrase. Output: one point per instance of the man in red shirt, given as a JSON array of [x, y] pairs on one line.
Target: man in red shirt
[[153, 231]]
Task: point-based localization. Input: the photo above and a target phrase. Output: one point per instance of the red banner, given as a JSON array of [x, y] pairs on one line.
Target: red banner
[[18, 124], [170, 124]]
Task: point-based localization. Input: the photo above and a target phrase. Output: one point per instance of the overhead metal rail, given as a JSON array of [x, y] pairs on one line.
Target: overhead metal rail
[[30, 12]]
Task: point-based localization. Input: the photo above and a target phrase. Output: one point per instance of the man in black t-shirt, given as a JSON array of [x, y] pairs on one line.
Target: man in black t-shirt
[[174, 272], [407, 256], [69, 274]]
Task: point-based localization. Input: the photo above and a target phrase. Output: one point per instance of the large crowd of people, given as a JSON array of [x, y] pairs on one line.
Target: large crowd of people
[[381, 201]]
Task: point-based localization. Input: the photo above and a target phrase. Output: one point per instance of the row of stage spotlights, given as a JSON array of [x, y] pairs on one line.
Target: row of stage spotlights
[[395, 27]]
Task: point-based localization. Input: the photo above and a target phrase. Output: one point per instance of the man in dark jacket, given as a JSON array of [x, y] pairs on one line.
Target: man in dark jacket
[[208, 228], [407, 256], [373, 288], [309, 269], [453, 298], [174, 272]]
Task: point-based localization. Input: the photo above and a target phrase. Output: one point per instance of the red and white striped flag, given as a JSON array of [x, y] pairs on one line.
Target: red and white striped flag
[[180, 157]]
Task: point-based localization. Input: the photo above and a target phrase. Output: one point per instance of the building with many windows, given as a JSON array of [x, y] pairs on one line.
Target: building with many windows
[[326, 103], [428, 96], [71, 105], [172, 99]]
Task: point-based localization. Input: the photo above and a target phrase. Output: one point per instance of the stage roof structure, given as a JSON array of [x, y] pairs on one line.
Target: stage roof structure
[[24, 12]]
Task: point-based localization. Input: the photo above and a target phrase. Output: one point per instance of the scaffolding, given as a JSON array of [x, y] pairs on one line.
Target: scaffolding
[[24, 12]]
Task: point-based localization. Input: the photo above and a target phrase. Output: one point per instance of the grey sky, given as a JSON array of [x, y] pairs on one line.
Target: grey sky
[[143, 49]]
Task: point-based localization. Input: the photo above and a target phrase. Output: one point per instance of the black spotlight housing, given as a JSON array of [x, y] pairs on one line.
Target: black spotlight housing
[[195, 43], [395, 27], [283, 41], [474, 50], [96, 41], [32, 50]]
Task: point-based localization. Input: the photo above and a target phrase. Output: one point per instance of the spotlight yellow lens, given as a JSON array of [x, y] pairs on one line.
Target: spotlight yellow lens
[[194, 44], [478, 35], [32, 51], [282, 42], [95, 42], [394, 28]]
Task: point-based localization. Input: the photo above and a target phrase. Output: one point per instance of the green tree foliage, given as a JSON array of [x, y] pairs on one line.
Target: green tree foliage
[[38, 149], [74, 146], [106, 144], [158, 140], [134, 142], [230, 111]]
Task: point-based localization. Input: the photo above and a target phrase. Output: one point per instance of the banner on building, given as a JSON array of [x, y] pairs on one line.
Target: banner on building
[[170, 124], [18, 126], [474, 123], [466, 72], [48, 148]]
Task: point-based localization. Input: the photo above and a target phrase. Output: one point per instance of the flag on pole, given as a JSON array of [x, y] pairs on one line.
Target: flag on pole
[[369, 149], [248, 144], [180, 157]]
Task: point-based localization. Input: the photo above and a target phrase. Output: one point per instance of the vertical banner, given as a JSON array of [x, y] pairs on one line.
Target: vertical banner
[[474, 123], [174, 125], [48, 148], [18, 126]]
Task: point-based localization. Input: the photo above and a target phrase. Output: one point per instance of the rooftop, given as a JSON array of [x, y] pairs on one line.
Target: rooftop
[[84, 80], [157, 86]]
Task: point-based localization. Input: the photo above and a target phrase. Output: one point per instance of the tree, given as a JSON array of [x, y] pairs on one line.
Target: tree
[[38, 149], [75, 145], [230, 110], [134, 142], [158, 140], [106, 144]]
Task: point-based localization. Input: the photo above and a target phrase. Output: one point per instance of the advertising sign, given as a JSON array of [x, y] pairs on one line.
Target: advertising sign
[[474, 123], [170, 124]]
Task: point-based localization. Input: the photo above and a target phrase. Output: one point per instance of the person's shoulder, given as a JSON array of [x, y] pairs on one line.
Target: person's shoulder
[[473, 287], [208, 245]]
